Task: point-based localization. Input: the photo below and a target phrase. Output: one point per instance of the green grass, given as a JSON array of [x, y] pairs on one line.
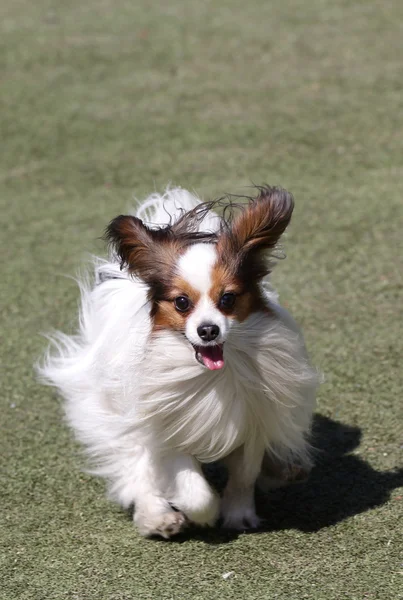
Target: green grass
[[102, 100]]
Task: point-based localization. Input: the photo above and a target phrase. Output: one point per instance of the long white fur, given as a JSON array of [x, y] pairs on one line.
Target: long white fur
[[150, 415]]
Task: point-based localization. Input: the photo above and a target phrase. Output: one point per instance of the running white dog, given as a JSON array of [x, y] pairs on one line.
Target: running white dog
[[184, 357]]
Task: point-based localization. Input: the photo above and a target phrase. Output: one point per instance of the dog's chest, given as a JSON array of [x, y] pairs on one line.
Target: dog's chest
[[207, 417]]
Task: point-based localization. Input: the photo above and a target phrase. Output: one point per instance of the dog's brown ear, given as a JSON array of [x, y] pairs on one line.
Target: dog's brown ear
[[257, 227], [142, 250], [150, 253]]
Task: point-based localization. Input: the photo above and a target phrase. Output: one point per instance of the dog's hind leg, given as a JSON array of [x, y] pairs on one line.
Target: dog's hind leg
[[276, 473]]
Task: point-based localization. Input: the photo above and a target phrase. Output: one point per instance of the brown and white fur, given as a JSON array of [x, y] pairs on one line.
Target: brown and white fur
[[184, 357]]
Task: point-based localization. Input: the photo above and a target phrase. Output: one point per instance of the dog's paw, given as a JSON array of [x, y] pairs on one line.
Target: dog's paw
[[202, 510], [238, 511], [241, 519], [165, 525], [238, 508]]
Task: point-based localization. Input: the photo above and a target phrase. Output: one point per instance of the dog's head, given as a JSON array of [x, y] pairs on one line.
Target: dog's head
[[200, 283]]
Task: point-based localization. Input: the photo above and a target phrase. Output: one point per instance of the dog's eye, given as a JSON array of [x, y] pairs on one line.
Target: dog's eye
[[227, 300], [182, 303]]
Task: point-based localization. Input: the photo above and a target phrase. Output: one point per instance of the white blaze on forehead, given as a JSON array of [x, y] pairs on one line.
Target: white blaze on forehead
[[196, 265], [196, 268]]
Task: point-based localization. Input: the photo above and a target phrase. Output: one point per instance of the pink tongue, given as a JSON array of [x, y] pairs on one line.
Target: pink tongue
[[212, 357]]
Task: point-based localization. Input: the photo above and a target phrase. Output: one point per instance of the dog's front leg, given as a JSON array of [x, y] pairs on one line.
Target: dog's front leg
[[169, 490], [188, 490], [143, 482], [238, 501]]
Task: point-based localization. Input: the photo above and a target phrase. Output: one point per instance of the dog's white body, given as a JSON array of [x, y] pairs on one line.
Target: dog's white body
[[150, 414]]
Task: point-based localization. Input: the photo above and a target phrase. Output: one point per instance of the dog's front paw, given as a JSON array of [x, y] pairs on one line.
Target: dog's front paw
[[165, 525], [240, 519], [202, 510], [238, 510]]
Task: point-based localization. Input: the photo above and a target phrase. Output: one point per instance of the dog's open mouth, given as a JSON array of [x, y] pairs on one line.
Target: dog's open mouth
[[211, 357]]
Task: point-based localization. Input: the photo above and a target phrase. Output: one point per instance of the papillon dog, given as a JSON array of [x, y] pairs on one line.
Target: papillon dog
[[184, 357]]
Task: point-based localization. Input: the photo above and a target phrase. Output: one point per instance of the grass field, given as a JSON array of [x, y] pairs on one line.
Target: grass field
[[104, 100]]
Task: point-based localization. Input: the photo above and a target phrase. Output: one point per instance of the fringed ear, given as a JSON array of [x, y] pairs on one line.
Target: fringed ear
[[151, 253], [258, 227], [139, 248]]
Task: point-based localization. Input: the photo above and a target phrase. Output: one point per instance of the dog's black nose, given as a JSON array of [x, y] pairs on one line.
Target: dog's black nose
[[208, 332]]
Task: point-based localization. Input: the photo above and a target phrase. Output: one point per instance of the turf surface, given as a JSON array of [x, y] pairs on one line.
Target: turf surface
[[102, 100]]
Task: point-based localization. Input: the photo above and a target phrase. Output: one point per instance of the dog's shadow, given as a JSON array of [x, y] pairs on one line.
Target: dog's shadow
[[341, 485]]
